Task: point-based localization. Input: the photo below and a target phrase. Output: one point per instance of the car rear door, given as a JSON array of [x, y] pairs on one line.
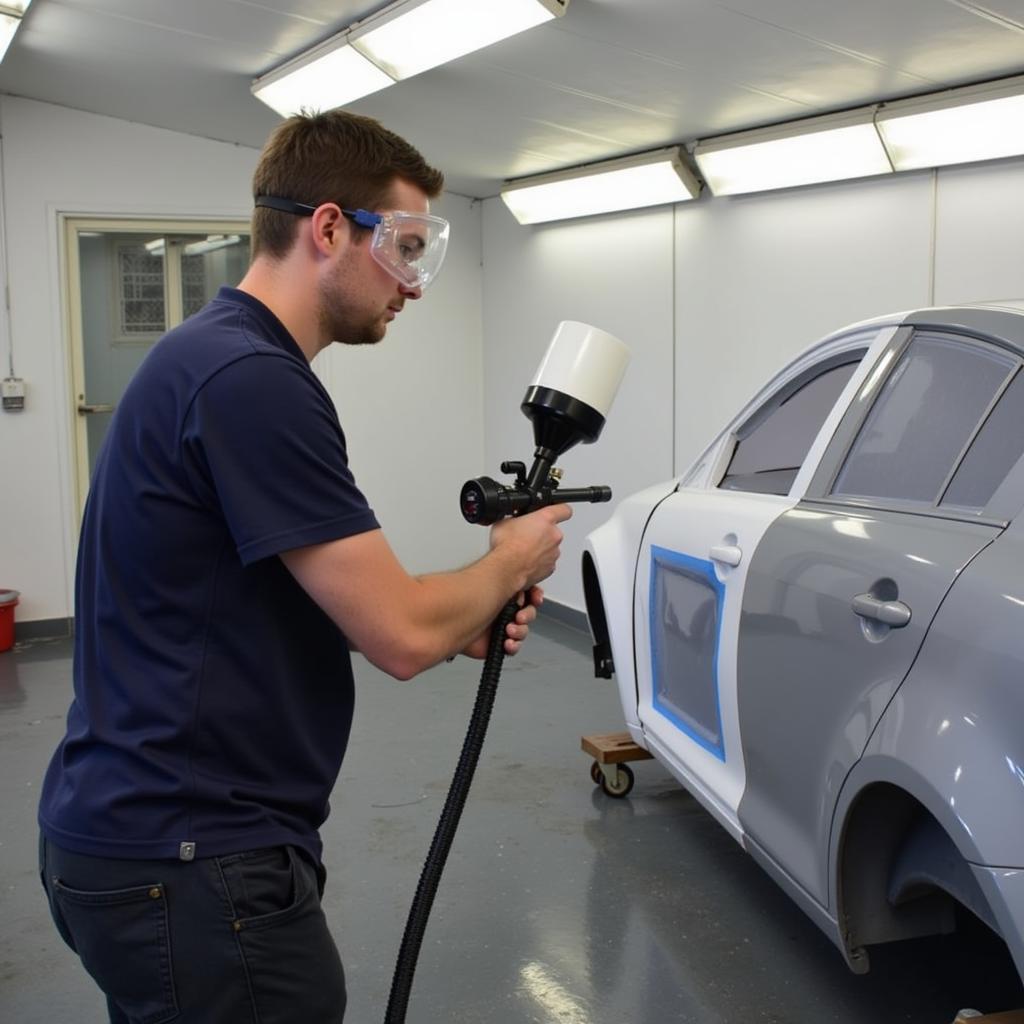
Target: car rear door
[[844, 585]]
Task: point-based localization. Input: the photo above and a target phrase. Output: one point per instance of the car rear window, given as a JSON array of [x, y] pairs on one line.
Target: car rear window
[[993, 453], [926, 414]]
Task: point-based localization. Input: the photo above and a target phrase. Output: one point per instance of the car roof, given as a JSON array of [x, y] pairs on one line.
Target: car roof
[[1002, 321]]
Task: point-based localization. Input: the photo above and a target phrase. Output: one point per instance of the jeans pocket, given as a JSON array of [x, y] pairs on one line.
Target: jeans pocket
[[123, 939], [266, 887]]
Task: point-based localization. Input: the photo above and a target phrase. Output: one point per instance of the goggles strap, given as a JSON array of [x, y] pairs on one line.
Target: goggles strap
[[285, 205], [362, 218]]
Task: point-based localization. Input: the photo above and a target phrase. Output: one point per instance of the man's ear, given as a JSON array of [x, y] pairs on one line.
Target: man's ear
[[329, 230]]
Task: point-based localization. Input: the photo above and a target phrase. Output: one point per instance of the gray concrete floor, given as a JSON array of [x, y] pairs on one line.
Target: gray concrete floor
[[558, 905]]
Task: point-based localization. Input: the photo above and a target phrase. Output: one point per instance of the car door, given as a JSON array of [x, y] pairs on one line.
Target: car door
[[843, 587], [692, 569]]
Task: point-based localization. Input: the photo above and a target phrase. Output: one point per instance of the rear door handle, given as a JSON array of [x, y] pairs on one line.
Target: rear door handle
[[892, 613], [727, 554]]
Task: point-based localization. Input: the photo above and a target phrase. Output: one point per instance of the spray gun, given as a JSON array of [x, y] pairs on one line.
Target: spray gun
[[567, 402]]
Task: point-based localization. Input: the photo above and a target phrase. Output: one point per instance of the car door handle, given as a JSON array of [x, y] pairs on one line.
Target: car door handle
[[728, 554], [891, 613]]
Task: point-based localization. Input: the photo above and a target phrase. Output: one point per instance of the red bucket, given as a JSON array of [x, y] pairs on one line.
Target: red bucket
[[8, 602]]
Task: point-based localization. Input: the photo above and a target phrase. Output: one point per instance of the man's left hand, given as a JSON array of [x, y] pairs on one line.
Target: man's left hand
[[518, 629]]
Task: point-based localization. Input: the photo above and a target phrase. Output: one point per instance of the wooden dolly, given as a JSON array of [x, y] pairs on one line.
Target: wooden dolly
[[611, 751]]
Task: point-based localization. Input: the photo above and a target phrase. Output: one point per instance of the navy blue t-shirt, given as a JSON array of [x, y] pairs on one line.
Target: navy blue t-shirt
[[213, 697]]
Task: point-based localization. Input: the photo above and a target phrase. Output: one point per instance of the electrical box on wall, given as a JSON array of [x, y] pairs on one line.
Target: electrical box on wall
[[13, 391]]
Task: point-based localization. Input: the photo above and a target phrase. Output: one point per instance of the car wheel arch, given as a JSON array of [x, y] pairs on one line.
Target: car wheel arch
[[898, 869]]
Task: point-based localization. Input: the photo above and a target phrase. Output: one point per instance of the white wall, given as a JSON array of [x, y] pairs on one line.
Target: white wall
[[979, 233], [57, 160], [714, 296]]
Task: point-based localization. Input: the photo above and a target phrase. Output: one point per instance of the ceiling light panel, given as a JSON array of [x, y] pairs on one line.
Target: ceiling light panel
[[831, 148], [10, 18], [963, 126], [650, 179], [8, 26], [326, 77], [415, 35]]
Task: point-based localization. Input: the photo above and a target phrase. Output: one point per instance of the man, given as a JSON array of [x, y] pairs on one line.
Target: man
[[228, 564]]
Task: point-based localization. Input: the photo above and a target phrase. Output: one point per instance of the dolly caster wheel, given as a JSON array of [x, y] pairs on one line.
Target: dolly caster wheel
[[620, 783], [595, 773]]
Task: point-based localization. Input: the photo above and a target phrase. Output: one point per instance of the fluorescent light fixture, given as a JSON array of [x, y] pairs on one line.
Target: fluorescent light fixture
[[830, 148], [211, 244], [982, 122], [8, 26], [398, 42], [649, 179], [412, 36], [328, 76], [11, 12]]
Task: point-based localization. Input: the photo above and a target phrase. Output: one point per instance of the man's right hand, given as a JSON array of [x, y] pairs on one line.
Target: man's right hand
[[534, 539]]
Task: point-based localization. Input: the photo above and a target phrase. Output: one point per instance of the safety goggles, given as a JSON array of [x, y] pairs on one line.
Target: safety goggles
[[409, 246]]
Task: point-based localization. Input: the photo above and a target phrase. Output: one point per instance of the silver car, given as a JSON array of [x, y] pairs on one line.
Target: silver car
[[819, 628]]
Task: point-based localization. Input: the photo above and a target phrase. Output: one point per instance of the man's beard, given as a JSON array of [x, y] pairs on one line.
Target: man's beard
[[338, 322]]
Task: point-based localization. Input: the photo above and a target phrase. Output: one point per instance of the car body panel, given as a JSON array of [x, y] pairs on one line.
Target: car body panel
[[814, 676], [956, 721]]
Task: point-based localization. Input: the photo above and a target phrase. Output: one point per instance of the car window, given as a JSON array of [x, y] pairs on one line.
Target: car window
[[993, 453], [924, 417], [686, 609], [768, 457]]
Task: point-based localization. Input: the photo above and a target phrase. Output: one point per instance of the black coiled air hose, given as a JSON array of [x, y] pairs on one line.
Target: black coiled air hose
[[419, 912]]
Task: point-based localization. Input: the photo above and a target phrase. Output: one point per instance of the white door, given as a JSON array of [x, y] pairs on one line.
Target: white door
[[690, 579], [127, 283]]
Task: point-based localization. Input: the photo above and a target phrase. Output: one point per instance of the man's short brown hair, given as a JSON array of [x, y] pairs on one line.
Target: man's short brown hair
[[331, 157]]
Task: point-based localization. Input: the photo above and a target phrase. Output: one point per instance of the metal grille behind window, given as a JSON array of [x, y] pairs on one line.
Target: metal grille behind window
[[140, 276]]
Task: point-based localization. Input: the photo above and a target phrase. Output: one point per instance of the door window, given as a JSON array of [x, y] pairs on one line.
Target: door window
[[925, 416], [686, 604], [772, 446]]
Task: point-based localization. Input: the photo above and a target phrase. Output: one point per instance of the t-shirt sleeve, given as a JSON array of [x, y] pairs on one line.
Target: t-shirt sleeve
[[262, 444]]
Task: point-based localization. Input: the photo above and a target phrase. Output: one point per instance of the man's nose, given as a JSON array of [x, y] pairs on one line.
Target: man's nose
[[410, 293]]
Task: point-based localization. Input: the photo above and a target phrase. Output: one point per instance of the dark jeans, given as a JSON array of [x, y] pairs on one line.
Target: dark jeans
[[239, 939]]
